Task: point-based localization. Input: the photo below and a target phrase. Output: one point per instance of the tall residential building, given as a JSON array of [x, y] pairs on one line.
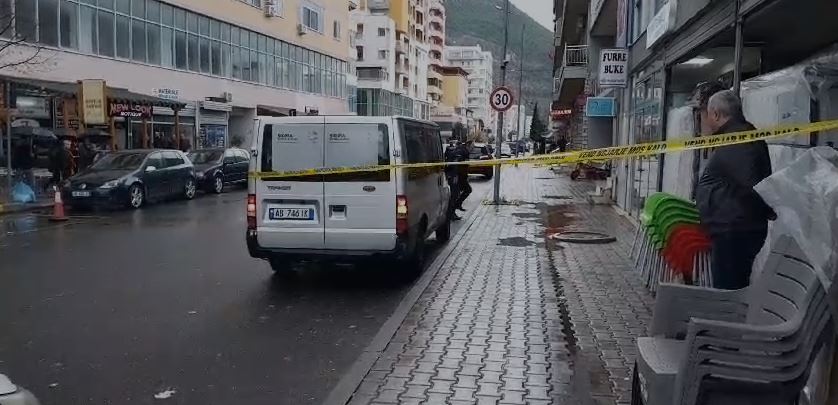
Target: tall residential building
[[392, 57], [226, 61], [479, 65], [451, 108], [436, 34]]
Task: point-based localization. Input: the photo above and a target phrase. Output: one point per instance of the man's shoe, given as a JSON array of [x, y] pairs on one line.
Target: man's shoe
[[461, 209], [456, 217]]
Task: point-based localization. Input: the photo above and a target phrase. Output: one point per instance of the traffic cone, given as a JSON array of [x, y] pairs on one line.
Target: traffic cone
[[58, 208]]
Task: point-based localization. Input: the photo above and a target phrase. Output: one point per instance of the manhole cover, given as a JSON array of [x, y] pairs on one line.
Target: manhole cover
[[583, 237]]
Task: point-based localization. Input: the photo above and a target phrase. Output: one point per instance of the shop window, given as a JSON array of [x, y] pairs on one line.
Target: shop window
[[106, 33], [69, 24], [138, 41], [153, 46], [123, 37]]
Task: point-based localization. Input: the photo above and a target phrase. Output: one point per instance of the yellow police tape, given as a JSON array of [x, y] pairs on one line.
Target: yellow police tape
[[591, 155]]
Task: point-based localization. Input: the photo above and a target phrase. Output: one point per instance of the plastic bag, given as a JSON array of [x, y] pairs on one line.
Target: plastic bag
[[22, 193], [805, 197]]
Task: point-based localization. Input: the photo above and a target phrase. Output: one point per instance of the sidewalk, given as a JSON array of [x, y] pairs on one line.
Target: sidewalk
[[512, 317]]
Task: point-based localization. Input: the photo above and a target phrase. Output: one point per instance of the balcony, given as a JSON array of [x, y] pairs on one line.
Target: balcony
[[434, 89], [376, 74], [402, 69], [437, 46], [570, 80], [436, 19], [401, 47]]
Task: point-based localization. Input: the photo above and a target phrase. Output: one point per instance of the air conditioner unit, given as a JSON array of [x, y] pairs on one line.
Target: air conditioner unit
[[271, 9], [301, 29]]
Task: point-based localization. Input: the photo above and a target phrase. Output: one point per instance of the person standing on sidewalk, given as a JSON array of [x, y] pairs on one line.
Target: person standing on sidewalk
[[732, 212], [463, 152], [451, 176]]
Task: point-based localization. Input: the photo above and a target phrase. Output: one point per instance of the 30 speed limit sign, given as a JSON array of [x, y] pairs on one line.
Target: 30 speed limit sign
[[501, 99]]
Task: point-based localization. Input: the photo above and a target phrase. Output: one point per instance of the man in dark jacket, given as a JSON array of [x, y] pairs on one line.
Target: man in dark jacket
[[451, 155], [463, 152], [733, 213]]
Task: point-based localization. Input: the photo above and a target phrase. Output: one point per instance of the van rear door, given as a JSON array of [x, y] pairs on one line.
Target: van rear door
[[290, 212], [360, 208]]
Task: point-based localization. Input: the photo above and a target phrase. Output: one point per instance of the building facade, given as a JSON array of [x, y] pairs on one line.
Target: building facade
[[479, 65], [227, 60], [392, 58], [451, 108], [436, 43]]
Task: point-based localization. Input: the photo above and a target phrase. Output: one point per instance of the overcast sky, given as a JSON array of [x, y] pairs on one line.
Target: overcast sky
[[540, 10]]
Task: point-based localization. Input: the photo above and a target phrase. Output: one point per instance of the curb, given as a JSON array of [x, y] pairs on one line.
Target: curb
[[348, 384]]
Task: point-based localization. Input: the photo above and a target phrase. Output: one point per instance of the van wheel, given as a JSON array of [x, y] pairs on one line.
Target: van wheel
[[443, 233], [416, 260]]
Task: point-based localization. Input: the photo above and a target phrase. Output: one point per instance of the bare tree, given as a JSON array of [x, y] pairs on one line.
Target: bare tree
[[16, 50]]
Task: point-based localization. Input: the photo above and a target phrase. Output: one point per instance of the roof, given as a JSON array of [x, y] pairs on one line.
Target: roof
[[451, 70], [53, 88]]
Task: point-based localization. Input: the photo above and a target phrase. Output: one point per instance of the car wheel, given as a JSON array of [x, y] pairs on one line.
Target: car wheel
[[443, 233], [217, 184], [189, 189], [136, 196]]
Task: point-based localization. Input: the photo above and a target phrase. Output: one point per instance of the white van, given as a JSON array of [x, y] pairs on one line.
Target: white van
[[388, 213]]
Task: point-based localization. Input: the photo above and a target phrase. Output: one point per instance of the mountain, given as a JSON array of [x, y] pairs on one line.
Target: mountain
[[480, 22]]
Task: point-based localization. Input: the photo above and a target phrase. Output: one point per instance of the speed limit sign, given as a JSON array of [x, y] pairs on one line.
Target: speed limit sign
[[501, 99]]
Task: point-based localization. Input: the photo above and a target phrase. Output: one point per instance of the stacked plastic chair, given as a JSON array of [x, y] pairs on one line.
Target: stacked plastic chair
[[670, 245]]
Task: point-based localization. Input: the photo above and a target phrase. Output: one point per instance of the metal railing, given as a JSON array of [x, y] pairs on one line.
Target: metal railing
[[576, 55]]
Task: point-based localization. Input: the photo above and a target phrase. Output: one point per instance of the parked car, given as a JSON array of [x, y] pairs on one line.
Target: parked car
[[506, 150], [131, 178], [215, 168], [481, 151], [386, 213]]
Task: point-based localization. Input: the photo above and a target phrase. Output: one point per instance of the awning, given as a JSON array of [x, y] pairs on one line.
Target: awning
[[48, 88]]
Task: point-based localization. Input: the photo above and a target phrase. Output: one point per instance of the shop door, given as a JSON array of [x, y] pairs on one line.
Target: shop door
[[646, 122]]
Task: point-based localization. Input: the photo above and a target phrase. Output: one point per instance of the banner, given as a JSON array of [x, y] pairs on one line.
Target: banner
[[592, 155], [93, 102]]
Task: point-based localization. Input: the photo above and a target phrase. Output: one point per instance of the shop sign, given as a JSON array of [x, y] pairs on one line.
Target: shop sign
[[662, 23], [33, 107], [25, 123], [613, 68], [561, 113], [166, 94], [601, 107], [93, 102], [130, 110], [66, 115]]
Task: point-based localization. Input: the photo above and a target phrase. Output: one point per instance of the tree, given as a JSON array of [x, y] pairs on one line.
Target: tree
[[537, 128], [460, 132], [17, 49]]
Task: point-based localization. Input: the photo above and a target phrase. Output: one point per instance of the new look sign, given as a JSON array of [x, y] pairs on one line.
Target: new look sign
[[613, 68]]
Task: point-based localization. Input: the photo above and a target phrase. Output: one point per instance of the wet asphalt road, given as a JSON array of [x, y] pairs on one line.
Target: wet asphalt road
[[117, 307]]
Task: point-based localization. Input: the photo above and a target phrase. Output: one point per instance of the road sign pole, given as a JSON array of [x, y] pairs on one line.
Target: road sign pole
[[499, 133]]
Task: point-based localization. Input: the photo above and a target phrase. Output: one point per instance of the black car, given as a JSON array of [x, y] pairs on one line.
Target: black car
[[131, 178], [481, 151], [215, 168]]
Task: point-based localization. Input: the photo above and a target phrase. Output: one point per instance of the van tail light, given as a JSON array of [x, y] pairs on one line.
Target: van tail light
[[251, 212], [401, 215]]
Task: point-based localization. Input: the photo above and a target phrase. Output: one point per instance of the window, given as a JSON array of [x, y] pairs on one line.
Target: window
[[311, 17], [167, 48], [153, 47], [254, 3], [336, 30], [360, 52], [193, 54], [106, 33], [180, 50], [205, 55], [88, 37], [359, 29], [69, 25], [138, 41], [382, 54], [123, 37], [382, 32], [25, 20], [48, 22], [156, 160], [172, 159]]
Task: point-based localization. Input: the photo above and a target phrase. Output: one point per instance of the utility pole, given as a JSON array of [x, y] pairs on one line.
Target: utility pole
[[520, 89], [499, 133]]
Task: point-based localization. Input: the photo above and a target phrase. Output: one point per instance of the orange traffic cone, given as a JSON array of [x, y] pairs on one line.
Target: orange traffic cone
[[58, 208]]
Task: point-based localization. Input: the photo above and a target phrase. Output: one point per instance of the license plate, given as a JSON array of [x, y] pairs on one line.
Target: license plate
[[81, 193], [299, 214]]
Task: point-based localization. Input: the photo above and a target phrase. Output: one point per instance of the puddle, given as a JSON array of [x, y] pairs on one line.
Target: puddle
[[515, 241]]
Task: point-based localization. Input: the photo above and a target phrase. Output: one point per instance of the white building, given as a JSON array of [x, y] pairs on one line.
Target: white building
[[479, 65], [512, 118]]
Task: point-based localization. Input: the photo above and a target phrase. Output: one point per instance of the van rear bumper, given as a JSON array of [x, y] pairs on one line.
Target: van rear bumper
[[259, 252]]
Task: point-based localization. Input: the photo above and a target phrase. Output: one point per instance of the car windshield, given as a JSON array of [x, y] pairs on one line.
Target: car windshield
[[119, 161], [205, 156]]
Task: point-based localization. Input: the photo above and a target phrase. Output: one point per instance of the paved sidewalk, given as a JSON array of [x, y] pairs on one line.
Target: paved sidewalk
[[515, 318]]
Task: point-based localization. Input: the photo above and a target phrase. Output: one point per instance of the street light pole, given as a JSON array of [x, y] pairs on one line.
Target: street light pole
[[520, 90], [499, 133]]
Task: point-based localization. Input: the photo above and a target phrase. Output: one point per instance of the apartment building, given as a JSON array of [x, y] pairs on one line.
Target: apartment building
[[436, 42], [226, 60], [451, 109], [392, 57], [479, 66]]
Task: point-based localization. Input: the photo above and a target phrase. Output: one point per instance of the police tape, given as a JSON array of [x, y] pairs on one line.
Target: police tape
[[590, 155]]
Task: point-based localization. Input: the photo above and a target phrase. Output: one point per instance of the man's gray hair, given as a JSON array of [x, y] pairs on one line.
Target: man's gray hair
[[727, 103]]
